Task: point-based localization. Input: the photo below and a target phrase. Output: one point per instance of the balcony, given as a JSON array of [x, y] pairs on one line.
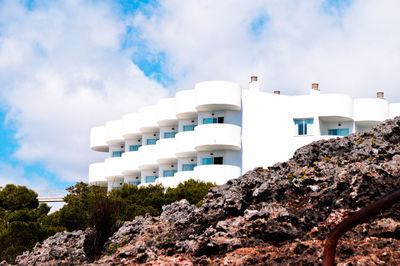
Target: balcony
[[186, 105], [130, 163], [97, 174], [166, 112], [148, 119], [113, 167], [131, 125], [185, 143], [333, 105], [98, 139], [179, 177], [219, 174], [148, 157], [211, 137], [218, 95], [114, 132], [371, 110], [166, 150]]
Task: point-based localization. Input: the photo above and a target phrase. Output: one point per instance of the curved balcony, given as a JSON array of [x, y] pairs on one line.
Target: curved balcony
[[218, 95], [98, 139], [148, 157], [113, 167], [186, 104], [166, 150], [333, 105], [371, 109], [179, 177], [114, 132], [130, 163], [131, 125], [211, 137], [185, 144], [219, 174], [97, 174], [148, 119], [166, 112]]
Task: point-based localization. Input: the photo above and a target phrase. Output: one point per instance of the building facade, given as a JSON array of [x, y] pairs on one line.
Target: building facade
[[218, 131]]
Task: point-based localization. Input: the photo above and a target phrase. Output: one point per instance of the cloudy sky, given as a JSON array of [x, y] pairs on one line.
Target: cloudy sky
[[66, 66]]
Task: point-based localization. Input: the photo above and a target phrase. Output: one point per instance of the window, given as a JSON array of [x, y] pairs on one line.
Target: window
[[213, 120], [136, 183], [218, 160], [117, 153], [168, 173], [303, 126], [206, 161], [134, 147], [213, 160], [188, 167], [151, 141], [188, 127], [151, 179], [169, 135], [339, 131]]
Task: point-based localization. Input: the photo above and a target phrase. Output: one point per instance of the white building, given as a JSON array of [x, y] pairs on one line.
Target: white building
[[218, 131]]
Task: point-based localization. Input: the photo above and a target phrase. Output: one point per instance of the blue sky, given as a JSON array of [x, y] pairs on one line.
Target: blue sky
[[66, 66]]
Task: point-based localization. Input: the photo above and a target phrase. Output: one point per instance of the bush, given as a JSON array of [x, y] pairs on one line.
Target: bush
[[191, 190]]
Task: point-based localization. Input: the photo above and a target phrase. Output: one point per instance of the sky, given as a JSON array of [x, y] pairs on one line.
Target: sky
[[69, 65]]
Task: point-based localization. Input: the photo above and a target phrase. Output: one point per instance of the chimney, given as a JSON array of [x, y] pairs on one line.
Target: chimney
[[380, 95], [277, 92], [253, 84], [314, 86]]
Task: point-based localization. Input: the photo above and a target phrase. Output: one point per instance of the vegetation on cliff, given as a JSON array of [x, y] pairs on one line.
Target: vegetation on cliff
[[23, 222]]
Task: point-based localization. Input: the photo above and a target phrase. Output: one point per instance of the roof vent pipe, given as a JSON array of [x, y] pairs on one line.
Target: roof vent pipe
[[314, 86], [277, 92], [380, 95]]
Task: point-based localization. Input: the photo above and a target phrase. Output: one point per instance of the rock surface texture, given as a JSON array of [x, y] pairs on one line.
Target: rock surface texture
[[276, 216], [64, 248]]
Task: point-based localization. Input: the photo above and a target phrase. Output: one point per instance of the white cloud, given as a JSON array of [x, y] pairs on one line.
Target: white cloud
[[354, 49], [62, 71]]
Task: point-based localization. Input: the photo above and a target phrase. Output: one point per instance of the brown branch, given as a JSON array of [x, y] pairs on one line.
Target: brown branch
[[353, 220]]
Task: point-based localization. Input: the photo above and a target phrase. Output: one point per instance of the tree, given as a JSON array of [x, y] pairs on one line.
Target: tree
[[21, 221], [134, 201]]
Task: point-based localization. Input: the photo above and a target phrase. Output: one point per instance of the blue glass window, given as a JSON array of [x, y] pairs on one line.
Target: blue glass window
[[169, 135], [168, 173], [117, 153], [339, 131], [151, 141], [211, 120], [116, 187], [136, 183], [188, 167], [302, 125], [151, 179], [206, 161], [188, 127], [134, 147]]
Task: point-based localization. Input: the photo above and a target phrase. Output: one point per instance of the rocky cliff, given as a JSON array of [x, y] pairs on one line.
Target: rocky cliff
[[281, 215]]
